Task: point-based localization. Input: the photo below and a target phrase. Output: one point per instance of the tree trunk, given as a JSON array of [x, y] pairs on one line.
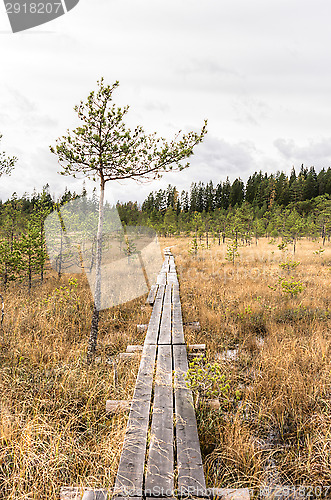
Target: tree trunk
[[2, 309], [5, 277], [97, 293], [92, 345], [30, 271], [42, 252], [92, 255], [60, 256]]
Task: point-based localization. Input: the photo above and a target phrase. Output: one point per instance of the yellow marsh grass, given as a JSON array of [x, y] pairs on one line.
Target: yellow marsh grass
[[282, 371], [53, 427]]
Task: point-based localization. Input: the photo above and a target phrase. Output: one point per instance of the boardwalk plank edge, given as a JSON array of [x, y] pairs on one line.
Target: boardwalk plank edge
[[76, 493], [151, 295], [159, 474], [131, 467], [117, 405]]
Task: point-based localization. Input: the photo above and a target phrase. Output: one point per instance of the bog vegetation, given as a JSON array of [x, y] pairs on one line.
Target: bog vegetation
[[266, 323], [271, 206], [255, 274]]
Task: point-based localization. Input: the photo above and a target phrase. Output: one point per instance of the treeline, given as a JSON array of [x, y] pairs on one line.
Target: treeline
[[26, 203], [261, 191], [268, 205], [244, 222]]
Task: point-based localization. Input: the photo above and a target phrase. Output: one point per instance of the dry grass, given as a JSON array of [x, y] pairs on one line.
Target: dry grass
[[54, 430], [278, 428]]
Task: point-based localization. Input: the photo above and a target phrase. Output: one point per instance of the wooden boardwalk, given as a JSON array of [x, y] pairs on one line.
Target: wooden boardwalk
[[161, 454]]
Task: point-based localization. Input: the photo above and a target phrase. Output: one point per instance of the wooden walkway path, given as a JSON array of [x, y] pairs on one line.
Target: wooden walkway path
[[161, 452]]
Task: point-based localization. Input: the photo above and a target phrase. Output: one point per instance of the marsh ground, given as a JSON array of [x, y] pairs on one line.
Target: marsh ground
[[273, 424]]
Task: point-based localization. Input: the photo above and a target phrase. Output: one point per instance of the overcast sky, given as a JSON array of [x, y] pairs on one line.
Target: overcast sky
[[259, 71]]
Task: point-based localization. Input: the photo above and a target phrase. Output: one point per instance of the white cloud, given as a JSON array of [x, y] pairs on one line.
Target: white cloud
[[214, 159], [259, 71], [316, 153]]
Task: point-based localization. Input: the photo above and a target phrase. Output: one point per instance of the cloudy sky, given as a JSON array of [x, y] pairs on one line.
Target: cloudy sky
[[259, 71]]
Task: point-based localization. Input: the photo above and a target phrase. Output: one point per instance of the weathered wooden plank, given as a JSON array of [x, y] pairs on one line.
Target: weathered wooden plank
[[127, 356], [165, 326], [95, 495], [196, 347], [231, 494], [191, 479], [117, 405], [115, 497], [172, 278], [152, 294], [193, 325], [172, 268], [154, 322], [71, 493], [172, 281], [142, 328], [195, 355], [159, 480], [129, 479], [75, 493], [134, 348], [165, 264], [177, 320], [161, 278]]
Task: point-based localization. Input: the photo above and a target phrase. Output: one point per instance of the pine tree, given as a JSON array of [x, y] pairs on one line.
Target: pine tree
[[38, 217], [104, 148], [32, 252], [6, 163], [294, 227], [10, 261]]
